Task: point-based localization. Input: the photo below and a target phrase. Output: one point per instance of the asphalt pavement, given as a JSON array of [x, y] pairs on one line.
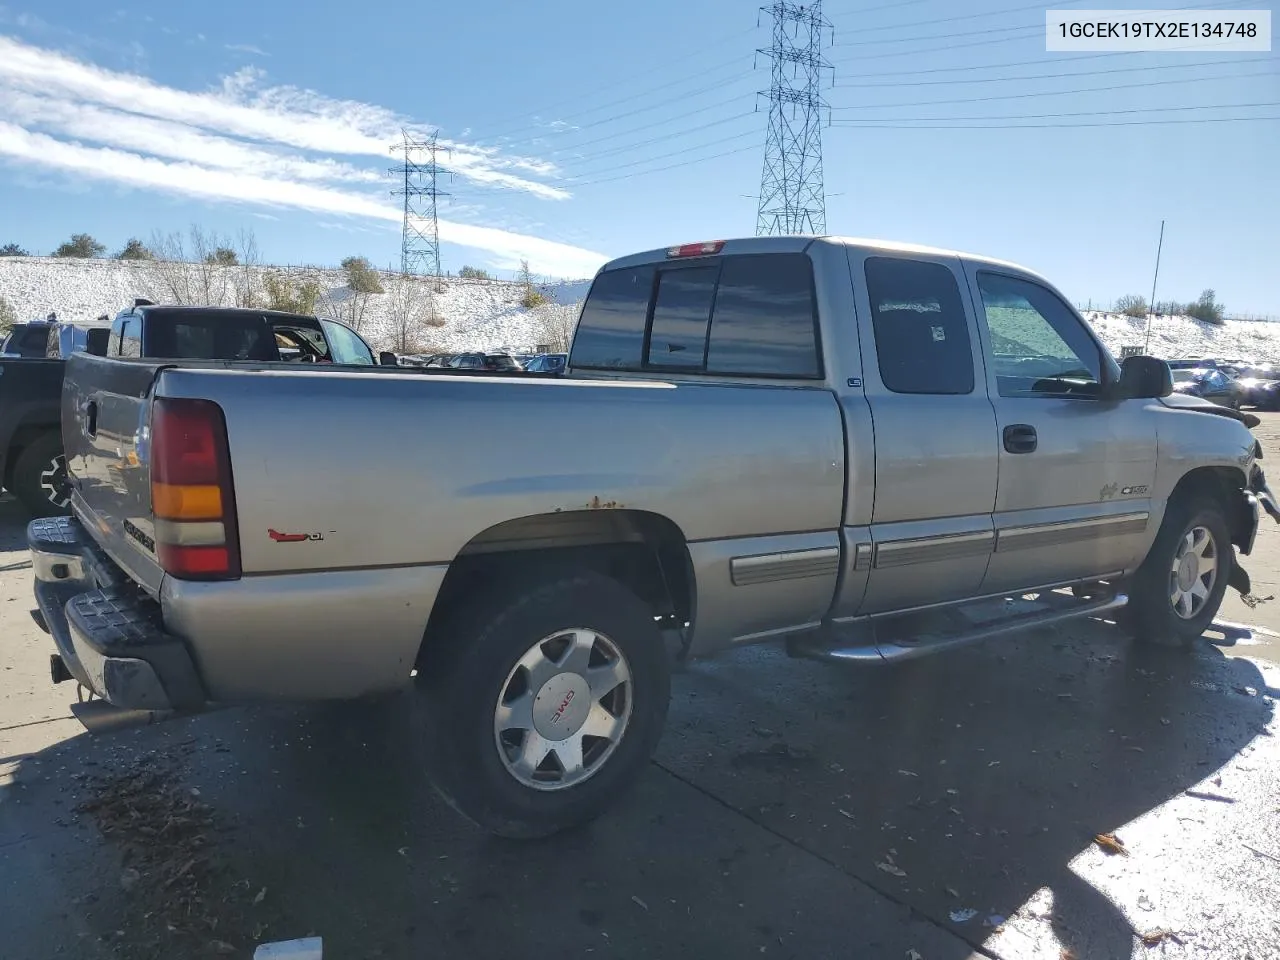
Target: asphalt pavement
[[940, 810]]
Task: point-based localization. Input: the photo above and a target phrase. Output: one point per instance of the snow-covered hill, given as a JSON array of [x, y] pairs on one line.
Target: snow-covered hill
[[455, 314], [1172, 337], [487, 315]]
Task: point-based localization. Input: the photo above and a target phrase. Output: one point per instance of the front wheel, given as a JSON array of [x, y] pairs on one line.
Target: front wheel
[[1177, 591], [545, 706]]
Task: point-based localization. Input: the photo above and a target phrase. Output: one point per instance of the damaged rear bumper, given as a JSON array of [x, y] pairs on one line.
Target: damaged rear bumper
[[108, 636]]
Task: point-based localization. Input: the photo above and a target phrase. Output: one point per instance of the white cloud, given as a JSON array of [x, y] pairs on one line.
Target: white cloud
[[246, 48], [246, 142], [293, 117], [189, 179]]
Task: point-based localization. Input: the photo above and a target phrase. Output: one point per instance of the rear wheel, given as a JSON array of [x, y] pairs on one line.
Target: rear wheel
[[545, 706], [1177, 591], [39, 477]]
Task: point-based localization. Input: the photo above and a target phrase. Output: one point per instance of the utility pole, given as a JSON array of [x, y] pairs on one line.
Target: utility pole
[[420, 234], [792, 197], [1151, 307]]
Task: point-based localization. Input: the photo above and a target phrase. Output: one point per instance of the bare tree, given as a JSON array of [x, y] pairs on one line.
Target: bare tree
[[210, 265], [411, 310], [250, 262], [556, 323], [191, 270], [167, 270]]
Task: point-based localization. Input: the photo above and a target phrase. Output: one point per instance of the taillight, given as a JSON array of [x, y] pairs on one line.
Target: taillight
[[192, 498]]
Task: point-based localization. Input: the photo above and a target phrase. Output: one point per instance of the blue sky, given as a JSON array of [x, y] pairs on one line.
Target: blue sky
[[584, 130]]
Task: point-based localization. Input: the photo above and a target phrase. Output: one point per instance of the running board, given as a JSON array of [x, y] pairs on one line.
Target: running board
[[890, 639]]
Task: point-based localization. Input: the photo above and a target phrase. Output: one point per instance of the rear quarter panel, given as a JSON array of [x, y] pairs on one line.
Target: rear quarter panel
[[406, 469]]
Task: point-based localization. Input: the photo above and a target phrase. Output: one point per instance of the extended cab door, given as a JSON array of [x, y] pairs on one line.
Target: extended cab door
[[1076, 472], [935, 434]]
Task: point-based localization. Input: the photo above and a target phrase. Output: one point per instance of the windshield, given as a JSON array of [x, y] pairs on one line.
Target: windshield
[[1185, 376]]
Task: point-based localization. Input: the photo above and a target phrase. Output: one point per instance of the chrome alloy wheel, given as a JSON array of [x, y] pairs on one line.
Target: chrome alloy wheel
[[563, 709], [54, 482], [1194, 573]]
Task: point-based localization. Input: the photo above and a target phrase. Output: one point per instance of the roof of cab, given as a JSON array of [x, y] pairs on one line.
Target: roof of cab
[[800, 243]]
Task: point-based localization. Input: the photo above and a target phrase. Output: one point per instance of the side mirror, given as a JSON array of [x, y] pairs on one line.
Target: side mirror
[[1143, 378], [388, 359]]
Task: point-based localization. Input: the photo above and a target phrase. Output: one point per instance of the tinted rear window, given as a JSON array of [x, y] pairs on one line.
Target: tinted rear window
[[611, 331], [681, 312], [922, 336], [209, 336], [764, 321], [760, 310]]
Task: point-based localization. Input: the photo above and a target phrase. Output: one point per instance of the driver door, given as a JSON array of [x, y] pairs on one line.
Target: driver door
[[1073, 494]]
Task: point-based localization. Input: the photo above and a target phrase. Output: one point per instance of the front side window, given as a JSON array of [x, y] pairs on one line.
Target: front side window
[[921, 333], [1038, 346], [345, 346]]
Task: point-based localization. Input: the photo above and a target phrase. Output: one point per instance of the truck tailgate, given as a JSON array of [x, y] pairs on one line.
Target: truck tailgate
[[105, 433]]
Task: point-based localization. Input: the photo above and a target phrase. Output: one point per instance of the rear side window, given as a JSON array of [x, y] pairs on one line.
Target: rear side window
[[922, 337], [746, 315], [131, 337], [208, 336], [764, 321], [611, 331], [681, 312]]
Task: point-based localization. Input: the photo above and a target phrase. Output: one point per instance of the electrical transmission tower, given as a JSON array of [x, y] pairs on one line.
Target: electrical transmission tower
[[420, 239], [792, 199]]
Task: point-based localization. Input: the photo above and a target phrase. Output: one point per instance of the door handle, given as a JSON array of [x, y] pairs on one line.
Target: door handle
[[1020, 438], [91, 418]]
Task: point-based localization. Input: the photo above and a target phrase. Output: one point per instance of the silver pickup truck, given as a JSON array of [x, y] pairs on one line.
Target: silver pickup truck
[[869, 451]]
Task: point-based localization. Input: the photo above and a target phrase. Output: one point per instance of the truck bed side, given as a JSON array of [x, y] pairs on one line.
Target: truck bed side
[[350, 486]]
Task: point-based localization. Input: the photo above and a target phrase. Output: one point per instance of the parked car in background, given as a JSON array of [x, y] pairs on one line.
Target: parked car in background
[[65, 339], [1212, 385], [871, 451], [492, 362], [547, 363], [1259, 385], [26, 340]]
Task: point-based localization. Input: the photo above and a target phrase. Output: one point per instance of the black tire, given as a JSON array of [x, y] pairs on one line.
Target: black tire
[[1150, 615], [470, 665], [39, 477]]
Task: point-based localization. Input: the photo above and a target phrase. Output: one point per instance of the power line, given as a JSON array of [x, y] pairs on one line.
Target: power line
[[1029, 29], [701, 80], [1090, 113], [1036, 76], [594, 156], [732, 138], [1054, 93], [699, 77], [876, 125], [937, 20]]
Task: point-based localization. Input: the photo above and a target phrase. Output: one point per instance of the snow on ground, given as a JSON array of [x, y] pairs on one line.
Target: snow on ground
[[1173, 337], [468, 314], [487, 315]]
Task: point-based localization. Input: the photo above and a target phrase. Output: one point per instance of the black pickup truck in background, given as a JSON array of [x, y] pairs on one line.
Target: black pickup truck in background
[[31, 461]]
